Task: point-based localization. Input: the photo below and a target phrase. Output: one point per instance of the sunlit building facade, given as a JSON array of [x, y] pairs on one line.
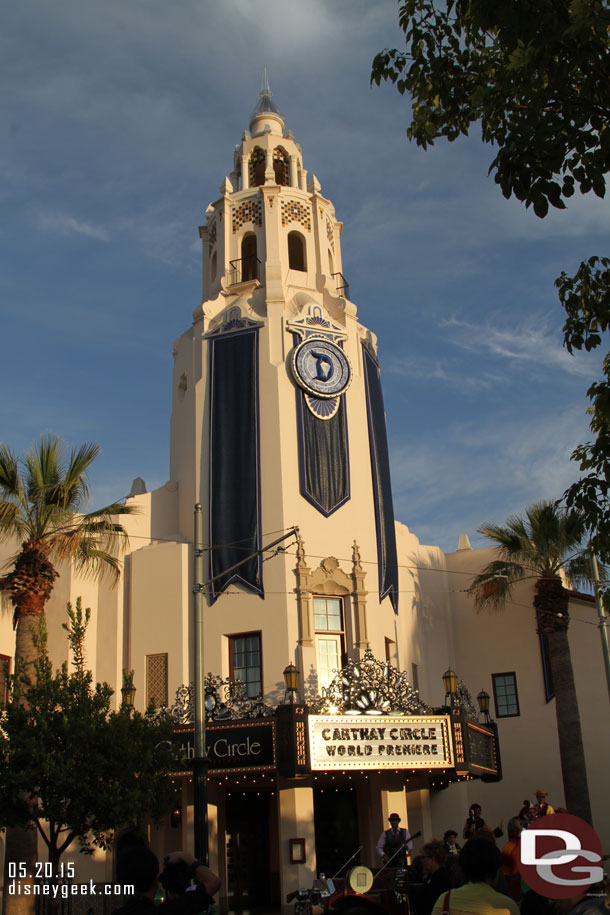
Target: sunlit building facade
[[278, 431]]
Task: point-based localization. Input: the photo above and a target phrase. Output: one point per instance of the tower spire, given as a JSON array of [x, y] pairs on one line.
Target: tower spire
[[265, 105], [265, 83]]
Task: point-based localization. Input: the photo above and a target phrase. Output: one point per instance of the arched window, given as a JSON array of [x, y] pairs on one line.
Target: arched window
[[281, 166], [213, 267], [249, 262], [296, 251], [330, 262], [257, 164]]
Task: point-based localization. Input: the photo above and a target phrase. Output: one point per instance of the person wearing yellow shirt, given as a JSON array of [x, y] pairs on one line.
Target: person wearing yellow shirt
[[480, 861]]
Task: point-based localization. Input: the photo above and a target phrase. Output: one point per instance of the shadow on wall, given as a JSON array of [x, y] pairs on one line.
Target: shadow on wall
[[432, 606]]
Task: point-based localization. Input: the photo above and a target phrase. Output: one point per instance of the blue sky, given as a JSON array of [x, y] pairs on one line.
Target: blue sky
[[119, 121]]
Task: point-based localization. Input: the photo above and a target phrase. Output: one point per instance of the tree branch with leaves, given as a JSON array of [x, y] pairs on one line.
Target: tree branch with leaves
[[72, 767], [535, 77]]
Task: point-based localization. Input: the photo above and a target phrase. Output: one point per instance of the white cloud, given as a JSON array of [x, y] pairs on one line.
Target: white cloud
[[456, 478], [533, 340], [424, 370], [64, 224]]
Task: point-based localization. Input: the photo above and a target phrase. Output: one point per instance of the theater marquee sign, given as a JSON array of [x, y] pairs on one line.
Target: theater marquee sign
[[380, 742], [233, 746]]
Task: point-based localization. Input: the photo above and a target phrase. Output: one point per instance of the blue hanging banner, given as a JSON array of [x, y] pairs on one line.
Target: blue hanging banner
[[382, 486], [323, 456], [235, 529]]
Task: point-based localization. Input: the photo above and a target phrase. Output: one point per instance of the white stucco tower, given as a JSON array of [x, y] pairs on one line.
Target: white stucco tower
[[277, 420]]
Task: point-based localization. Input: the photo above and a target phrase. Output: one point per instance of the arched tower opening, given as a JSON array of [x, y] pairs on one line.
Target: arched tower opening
[[257, 167], [296, 251], [281, 166], [249, 257]]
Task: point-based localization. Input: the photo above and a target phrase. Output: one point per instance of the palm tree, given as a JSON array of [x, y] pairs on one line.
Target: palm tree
[[41, 497], [545, 544]]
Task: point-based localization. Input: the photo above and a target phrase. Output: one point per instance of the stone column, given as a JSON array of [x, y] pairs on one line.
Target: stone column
[[245, 174], [360, 593], [294, 178], [269, 173], [419, 814], [296, 821], [303, 573]]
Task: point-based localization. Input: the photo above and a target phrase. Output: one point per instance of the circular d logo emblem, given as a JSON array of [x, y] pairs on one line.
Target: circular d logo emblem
[[321, 368]]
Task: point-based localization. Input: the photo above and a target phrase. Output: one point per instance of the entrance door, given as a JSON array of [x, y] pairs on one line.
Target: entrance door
[[247, 836], [336, 825]]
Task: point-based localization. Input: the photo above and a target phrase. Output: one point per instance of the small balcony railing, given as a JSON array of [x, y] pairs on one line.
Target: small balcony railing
[[244, 269], [342, 285]]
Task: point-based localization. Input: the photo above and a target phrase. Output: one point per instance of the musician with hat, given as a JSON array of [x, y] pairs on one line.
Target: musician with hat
[[542, 808], [392, 839]]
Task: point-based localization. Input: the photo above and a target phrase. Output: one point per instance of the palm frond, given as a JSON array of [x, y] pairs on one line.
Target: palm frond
[[93, 562], [492, 587], [578, 569], [10, 481], [543, 539], [41, 505], [109, 534], [511, 539], [43, 468], [12, 522], [100, 540], [116, 508], [75, 479]]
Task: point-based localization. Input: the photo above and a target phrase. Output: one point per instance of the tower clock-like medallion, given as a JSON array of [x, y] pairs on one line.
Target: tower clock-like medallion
[[321, 368]]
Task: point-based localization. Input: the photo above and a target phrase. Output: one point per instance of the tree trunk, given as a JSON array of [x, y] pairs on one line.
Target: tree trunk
[[21, 844], [29, 614], [551, 602]]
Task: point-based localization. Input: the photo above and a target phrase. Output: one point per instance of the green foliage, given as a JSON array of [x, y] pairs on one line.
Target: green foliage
[[70, 765], [534, 73], [586, 299], [547, 540], [42, 497]]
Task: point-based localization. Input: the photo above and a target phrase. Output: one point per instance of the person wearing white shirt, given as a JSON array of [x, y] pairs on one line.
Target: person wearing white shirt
[[393, 839]]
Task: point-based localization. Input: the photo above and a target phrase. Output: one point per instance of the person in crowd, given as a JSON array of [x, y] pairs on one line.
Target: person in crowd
[[475, 822], [533, 903], [480, 861], [510, 858], [526, 814], [138, 866], [437, 878], [542, 807], [449, 839], [393, 839]]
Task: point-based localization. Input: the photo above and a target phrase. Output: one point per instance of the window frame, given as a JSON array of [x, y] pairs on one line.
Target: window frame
[[296, 236], [231, 642], [338, 634], [499, 714]]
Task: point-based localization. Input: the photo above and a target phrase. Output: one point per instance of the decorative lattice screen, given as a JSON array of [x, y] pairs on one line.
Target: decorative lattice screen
[[156, 679]]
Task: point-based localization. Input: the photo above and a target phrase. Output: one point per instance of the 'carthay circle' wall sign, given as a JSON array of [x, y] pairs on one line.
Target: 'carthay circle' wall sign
[[321, 368]]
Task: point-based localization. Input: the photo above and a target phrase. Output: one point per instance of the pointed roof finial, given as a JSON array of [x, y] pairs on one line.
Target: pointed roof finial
[[265, 105]]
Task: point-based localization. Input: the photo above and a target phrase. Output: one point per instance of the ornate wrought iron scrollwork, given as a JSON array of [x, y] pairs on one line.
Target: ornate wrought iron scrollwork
[[369, 687], [464, 698], [224, 699]]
